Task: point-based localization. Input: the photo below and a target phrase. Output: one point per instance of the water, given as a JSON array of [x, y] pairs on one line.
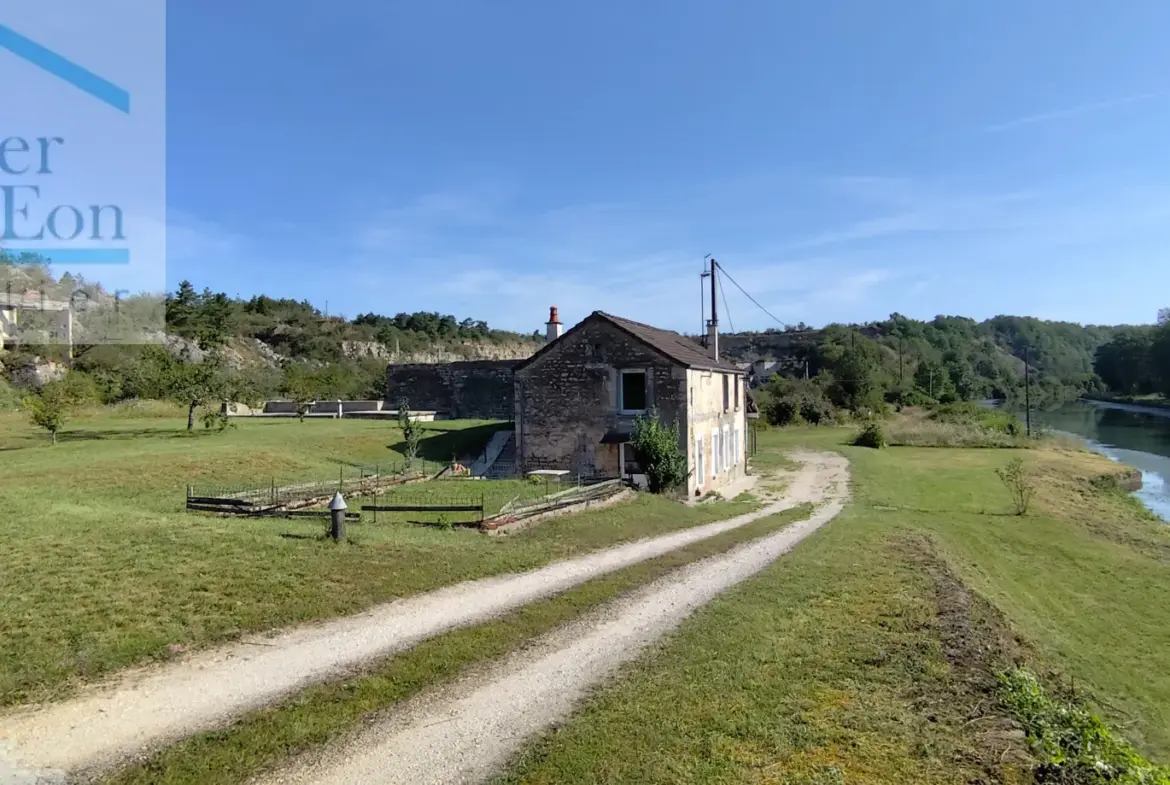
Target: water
[[1124, 433]]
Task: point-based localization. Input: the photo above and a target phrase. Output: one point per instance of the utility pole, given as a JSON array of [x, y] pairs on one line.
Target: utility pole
[[1027, 395], [702, 302], [713, 343]]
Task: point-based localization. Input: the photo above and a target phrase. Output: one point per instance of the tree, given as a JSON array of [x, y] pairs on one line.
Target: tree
[[55, 402], [183, 310], [659, 453], [197, 384], [1123, 363], [1159, 360], [214, 323], [857, 386], [932, 379], [303, 386], [411, 432]]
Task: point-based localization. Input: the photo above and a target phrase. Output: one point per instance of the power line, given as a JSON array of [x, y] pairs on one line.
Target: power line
[[726, 310], [753, 299]]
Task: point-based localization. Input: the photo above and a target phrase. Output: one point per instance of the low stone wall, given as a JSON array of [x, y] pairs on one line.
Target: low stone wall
[[469, 390], [361, 406]]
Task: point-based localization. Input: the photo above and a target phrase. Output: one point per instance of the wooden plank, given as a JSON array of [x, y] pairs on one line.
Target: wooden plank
[[215, 500], [424, 508], [308, 514], [218, 508], [268, 513]]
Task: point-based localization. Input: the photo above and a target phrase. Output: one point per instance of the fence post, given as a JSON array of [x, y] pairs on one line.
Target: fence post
[[341, 476], [337, 517], [272, 491]]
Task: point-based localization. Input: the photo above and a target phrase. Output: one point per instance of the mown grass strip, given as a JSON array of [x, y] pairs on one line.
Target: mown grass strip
[[102, 569], [845, 662], [266, 737]]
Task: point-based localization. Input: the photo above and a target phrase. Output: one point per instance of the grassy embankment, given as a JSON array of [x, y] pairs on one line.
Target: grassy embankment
[[103, 569], [869, 654], [1153, 400]]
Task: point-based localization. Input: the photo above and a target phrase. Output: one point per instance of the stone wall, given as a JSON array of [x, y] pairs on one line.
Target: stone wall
[[567, 399], [469, 390]]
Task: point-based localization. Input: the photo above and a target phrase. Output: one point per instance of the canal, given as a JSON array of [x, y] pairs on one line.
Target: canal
[[1138, 438]]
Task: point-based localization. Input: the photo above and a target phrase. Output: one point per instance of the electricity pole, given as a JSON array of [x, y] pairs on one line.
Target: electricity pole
[[713, 345], [702, 303]]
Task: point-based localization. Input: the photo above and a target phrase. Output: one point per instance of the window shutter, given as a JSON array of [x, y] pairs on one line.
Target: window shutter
[[700, 463]]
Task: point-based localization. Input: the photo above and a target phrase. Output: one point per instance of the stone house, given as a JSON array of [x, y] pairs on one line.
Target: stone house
[[577, 397]]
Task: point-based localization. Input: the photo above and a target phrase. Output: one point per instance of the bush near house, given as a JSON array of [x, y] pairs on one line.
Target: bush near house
[[659, 453]]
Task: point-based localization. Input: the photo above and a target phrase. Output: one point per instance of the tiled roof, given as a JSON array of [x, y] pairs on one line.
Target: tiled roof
[[677, 347]]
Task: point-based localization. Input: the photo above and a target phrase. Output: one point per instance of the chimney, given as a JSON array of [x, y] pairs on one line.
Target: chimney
[[553, 328]]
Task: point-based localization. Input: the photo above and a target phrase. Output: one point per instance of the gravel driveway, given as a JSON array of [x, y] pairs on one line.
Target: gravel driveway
[[145, 708], [466, 731]]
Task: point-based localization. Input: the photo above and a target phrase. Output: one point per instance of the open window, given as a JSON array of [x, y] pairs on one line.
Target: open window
[[632, 393], [726, 393]]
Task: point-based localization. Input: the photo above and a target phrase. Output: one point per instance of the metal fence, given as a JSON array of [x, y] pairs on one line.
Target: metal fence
[[351, 479], [396, 493]]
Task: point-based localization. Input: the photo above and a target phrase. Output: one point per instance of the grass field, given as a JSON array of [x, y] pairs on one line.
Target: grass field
[[102, 568], [867, 655], [327, 712]]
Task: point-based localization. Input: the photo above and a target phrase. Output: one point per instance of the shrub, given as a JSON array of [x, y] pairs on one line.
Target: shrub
[[411, 432], [1071, 742], [872, 435], [9, 399], [930, 433], [217, 419], [784, 411], [660, 454], [1019, 484]]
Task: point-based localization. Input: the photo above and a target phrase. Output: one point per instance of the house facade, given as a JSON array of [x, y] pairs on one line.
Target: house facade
[[577, 398]]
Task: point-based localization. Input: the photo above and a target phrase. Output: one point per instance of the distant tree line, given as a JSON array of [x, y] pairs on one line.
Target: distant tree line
[[1136, 361], [209, 357], [902, 361]]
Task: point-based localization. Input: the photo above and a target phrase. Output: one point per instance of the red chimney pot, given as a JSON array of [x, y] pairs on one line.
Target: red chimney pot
[[552, 316]]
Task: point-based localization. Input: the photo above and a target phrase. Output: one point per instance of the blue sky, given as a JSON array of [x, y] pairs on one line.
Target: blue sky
[[842, 159]]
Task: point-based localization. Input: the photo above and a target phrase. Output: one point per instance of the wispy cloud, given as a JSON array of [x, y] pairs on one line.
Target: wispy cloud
[[924, 213], [1072, 111]]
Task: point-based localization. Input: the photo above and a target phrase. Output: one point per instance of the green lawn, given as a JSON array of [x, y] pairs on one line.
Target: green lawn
[[102, 568], [324, 713], [860, 658]]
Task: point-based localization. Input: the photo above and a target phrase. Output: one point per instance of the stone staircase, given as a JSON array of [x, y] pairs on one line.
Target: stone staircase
[[491, 452], [505, 466]]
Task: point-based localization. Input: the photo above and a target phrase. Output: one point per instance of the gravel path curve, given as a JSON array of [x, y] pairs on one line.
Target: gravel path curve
[[145, 708], [467, 731]]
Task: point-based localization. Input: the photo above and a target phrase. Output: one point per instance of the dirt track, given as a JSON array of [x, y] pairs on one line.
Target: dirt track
[[466, 731], [146, 708]]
